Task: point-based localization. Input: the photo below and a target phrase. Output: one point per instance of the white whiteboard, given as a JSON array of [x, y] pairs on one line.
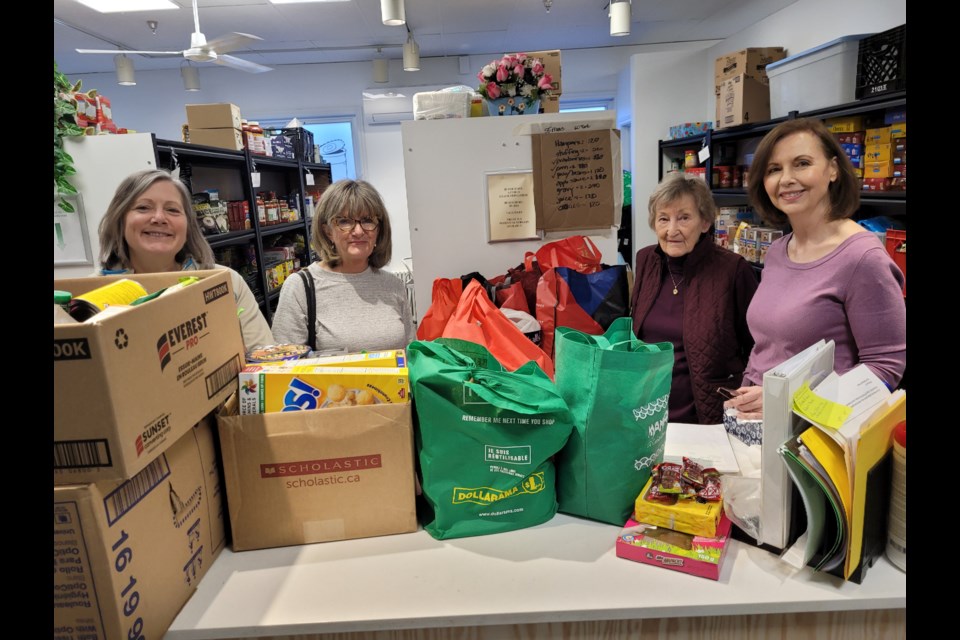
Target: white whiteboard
[[445, 164], [102, 162]]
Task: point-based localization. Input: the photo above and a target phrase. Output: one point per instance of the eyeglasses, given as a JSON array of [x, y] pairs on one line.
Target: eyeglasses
[[347, 224]]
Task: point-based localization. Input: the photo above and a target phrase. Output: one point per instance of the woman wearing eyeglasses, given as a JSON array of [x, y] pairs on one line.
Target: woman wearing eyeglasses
[[359, 307]]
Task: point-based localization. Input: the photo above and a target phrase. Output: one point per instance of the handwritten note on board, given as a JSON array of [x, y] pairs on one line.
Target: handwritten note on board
[[577, 177]]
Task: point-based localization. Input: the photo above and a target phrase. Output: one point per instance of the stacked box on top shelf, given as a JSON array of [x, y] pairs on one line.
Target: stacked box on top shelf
[[742, 87]]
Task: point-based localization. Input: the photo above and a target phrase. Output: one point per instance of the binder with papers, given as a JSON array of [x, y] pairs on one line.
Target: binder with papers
[[809, 367], [841, 465]]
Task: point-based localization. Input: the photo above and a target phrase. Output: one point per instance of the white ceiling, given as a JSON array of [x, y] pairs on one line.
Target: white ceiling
[[351, 31]]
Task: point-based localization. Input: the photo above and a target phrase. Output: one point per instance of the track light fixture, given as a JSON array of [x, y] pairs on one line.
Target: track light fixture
[[411, 54], [381, 72], [191, 77], [393, 12], [619, 17], [124, 65]]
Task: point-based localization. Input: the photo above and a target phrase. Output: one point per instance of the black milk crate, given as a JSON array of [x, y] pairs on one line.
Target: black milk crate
[[302, 141], [882, 63]]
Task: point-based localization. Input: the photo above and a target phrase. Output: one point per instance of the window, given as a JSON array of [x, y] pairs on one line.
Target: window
[[334, 137]]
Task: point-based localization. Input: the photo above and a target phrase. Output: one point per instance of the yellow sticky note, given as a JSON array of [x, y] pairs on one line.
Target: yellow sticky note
[[818, 409]]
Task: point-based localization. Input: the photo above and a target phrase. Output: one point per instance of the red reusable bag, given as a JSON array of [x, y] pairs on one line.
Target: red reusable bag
[[477, 319], [556, 307], [512, 297], [443, 302], [577, 252]]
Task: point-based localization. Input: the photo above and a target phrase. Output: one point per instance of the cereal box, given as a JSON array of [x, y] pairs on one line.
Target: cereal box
[[299, 388]]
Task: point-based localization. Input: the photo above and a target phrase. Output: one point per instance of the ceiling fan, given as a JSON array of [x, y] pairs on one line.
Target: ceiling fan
[[202, 51]]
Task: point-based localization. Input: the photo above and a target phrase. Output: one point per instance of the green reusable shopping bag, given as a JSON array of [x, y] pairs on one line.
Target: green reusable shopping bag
[[485, 439], [617, 389]]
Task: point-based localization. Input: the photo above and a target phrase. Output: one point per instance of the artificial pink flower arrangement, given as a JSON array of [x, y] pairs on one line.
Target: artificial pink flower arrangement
[[512, 76]]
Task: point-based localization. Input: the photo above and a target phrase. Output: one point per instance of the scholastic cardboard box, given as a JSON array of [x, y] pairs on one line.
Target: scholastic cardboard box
[[129, 382], [128, 555], [312, 476], [216, 115]]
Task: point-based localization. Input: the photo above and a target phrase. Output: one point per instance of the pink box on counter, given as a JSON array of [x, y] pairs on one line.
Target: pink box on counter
[[674, 550]]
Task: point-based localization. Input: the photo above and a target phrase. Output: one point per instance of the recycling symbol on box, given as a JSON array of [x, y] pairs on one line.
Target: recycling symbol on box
[[121, 339]]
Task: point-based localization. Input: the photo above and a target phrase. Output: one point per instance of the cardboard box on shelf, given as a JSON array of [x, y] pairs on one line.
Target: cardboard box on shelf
[[551, 66], [742, 100], [877, 152], [227, 138], [662, 547], [127, 556], [879, 169], [845, 124], [880, 135], [550, 103], [218, 115], [751, 62], [131, 381], [314, 476]]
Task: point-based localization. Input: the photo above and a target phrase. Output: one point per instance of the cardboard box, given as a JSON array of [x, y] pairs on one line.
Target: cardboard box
[[551, 66], [313, 476], [269, 389], [686, 516], [845, 124], [878, 169], [877, 152], [578, 179], [670, 549], [880, 135], [550, 103], [127, 556], [221, 115], [898, 130], [742, 100], [130, 383], [751, 62], [223, 138]]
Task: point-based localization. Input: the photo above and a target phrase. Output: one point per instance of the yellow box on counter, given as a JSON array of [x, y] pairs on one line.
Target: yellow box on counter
[[390, 358], [303, 388], [216, 115], [128, 555], [877, 136], [878, 169], [129, 383], [688, 516], [877, 152], [846, 124]]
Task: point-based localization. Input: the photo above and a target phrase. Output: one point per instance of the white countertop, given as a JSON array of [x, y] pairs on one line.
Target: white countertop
[[563, 570]]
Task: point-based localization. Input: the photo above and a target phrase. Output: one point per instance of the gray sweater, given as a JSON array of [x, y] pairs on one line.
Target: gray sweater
[[356, 312]]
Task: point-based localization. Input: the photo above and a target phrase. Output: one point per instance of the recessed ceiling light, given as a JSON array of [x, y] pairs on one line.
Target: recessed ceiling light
[[116, 6], [303, 1]]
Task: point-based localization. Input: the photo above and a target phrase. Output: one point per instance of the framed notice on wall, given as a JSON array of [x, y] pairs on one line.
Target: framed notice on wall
[[511, 214], [71, 244]]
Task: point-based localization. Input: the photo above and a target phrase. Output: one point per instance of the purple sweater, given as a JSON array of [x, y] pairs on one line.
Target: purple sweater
[[852, 296]]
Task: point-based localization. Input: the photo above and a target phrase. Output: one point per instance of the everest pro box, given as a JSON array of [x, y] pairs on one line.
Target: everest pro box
[[128, 384], [128, 555]]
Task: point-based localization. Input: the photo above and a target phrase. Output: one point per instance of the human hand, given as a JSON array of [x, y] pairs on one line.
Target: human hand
[[748, 401]]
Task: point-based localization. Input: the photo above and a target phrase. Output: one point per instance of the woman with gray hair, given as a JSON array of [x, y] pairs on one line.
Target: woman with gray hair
[[357, 306], [695, 294], [150, 227]]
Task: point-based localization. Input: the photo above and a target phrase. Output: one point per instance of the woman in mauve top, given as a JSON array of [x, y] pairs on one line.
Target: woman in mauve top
[[829, 278]]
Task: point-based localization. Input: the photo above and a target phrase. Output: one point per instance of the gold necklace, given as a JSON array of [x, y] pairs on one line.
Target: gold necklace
[[675, 283]]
